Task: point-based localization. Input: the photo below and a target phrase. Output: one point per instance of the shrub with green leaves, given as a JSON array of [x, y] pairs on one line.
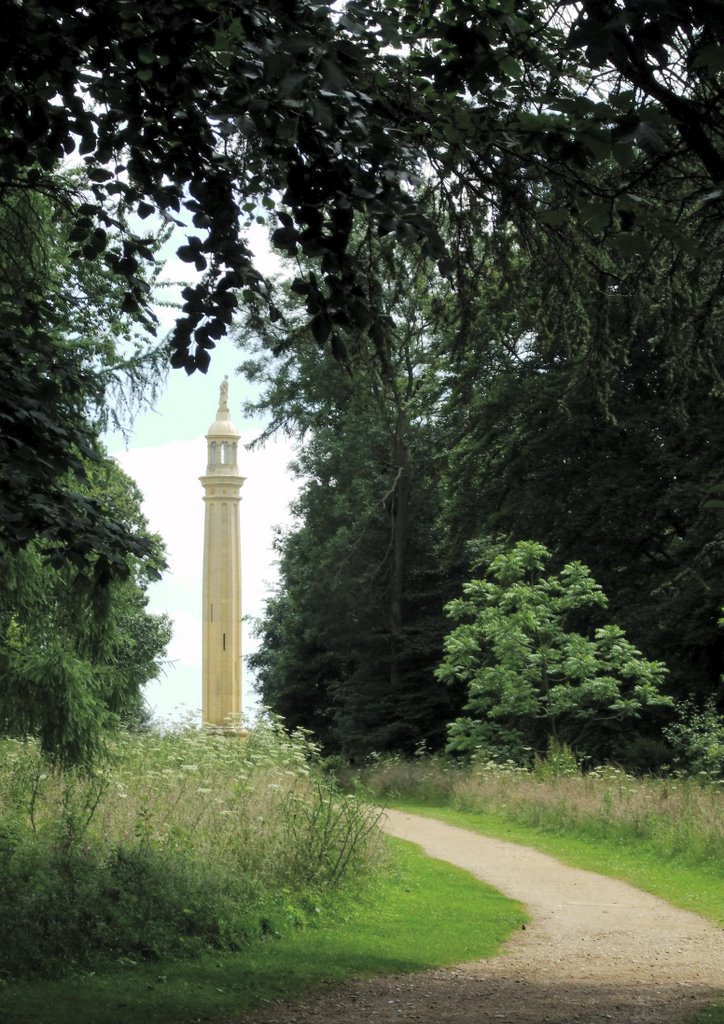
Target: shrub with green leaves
[[697, 739], [536, 668]]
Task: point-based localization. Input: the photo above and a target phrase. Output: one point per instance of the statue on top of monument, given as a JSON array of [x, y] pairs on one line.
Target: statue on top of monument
[[224, 393]]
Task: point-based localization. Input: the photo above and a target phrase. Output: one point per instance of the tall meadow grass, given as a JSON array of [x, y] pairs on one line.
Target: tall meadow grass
[[680, 818], [178, 843]]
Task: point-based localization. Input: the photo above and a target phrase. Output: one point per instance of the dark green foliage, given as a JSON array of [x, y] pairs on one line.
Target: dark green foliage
[[61, 908], [350, 638], [76, 644], [566, 393], [61, 360], [326, 661], [201, 110], [697, 740], [625, 495], [599, 434], [582, 408], [564, 172], [74, 659]]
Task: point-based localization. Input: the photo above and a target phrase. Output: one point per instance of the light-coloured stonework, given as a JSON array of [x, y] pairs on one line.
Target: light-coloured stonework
[[221, 614]]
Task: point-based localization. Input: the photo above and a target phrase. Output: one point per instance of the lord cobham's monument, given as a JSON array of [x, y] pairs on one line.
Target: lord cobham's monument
[[221, 618]]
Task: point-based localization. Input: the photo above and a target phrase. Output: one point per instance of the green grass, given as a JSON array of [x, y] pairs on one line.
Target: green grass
[[713, 1015], [423, 913], [691, 888]]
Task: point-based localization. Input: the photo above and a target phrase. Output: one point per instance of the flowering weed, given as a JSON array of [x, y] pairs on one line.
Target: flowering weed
[[179, 842], [677, 817]]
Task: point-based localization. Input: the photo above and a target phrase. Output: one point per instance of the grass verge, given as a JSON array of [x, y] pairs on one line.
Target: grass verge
[[712, 1015], [684, 886], [422, 914]]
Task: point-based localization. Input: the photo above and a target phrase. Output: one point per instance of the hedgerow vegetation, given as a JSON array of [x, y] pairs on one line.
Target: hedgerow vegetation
[[177, 844], [677, 819]]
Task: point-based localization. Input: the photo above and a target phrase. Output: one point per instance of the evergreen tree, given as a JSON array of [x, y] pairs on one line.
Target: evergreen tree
[[74, 659], [352, 635], [69, 357]]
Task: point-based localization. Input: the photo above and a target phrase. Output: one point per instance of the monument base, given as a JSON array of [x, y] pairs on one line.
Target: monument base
[[234, 731]]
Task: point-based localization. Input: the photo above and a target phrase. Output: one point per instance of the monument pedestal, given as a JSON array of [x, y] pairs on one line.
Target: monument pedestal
[[234, 732]]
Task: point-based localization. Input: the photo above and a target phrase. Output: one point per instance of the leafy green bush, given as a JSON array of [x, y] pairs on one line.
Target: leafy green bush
[[182, 842], [697, 739], [531, 674]]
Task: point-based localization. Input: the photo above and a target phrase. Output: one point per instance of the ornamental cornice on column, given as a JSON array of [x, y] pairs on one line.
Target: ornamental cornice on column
[[224, 486]]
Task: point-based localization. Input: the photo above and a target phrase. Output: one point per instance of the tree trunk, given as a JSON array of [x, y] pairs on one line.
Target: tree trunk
[[400, 524]]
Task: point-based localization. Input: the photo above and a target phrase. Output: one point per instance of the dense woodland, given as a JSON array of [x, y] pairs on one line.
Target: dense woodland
[[502, 324], [574, 406]]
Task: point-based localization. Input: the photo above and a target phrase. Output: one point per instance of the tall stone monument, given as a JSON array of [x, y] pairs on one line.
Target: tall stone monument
[[221, 618]]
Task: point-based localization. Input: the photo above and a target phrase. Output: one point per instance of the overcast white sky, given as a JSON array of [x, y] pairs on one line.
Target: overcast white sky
[[166, 456]]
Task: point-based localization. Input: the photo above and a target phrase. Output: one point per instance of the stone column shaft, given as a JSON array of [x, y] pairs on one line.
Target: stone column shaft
[[221, 591]]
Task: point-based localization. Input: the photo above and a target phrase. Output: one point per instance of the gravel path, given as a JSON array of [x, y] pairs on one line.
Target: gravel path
[[596, 950]]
